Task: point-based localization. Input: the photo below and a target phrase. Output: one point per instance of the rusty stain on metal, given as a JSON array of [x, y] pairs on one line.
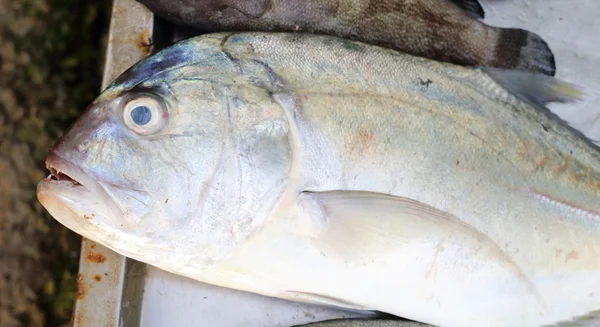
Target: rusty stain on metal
[[144, 42], [97, 278], [94, 257], [81, 290]]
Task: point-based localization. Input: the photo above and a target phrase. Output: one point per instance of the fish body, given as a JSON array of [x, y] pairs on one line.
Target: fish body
[[322, 170], [438, 29]]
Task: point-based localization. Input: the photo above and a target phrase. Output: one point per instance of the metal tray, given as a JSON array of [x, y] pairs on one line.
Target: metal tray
[[116, 291]]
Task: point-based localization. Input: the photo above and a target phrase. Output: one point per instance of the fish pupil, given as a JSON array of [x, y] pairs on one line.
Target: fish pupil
[[141, 115]]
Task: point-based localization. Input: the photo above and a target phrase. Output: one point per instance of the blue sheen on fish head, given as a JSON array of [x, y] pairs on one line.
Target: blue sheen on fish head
[[176, 163]]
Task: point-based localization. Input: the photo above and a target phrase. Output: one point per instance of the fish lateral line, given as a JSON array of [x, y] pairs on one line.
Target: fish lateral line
[[565, 205]]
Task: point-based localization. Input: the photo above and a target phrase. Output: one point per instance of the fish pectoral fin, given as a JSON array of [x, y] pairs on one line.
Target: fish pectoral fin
[[357, 228], [473, 7], [356, 225]]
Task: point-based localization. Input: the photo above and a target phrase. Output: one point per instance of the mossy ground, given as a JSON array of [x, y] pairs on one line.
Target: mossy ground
[[51, 57]]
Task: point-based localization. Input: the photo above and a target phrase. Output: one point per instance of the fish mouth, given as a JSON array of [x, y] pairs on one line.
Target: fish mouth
[[76, 199], [62, 170], [80, 202]]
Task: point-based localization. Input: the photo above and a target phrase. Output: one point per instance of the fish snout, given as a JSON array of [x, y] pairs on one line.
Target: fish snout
[[75, 144]]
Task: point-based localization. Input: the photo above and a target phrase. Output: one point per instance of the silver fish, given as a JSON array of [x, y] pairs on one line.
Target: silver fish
[[322, 170]]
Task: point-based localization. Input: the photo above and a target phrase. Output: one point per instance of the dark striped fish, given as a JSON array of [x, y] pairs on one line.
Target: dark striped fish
[[444, 30]]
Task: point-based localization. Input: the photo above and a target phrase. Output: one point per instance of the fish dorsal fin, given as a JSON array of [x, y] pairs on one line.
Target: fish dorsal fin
[[358, 227], [535, 89], [473, 7], [539, 90]]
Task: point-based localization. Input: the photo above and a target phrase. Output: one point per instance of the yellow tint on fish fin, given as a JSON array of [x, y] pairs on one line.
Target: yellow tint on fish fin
[[359, 228], [535, 89]]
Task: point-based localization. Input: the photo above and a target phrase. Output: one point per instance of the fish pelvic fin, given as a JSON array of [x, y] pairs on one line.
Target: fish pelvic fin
[[472, 7], [523, 50]]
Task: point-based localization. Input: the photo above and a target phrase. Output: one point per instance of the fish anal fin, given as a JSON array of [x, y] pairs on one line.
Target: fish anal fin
[[473, 7]]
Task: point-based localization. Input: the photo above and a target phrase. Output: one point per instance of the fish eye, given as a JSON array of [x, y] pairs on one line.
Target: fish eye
[[141, 115], [145, 114]]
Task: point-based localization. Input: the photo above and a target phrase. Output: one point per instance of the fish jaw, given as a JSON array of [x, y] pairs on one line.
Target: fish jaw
[[82, 203], [75, 199]]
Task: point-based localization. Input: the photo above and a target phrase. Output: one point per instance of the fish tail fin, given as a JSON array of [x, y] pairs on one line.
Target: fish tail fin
[[523, 50]]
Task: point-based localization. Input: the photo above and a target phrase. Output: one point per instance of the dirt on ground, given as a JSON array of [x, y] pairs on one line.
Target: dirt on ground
[[51, 55]]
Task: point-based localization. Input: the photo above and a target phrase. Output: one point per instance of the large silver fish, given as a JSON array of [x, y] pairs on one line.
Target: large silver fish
[[317, 169]]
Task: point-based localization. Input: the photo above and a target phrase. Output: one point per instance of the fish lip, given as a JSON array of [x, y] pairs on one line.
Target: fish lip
[[69, 174], [64, 170]]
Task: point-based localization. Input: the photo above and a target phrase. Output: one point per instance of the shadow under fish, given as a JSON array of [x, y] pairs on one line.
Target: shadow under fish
[[444, 30]]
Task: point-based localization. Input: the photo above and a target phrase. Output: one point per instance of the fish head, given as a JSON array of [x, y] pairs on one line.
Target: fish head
[[174, 164]]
